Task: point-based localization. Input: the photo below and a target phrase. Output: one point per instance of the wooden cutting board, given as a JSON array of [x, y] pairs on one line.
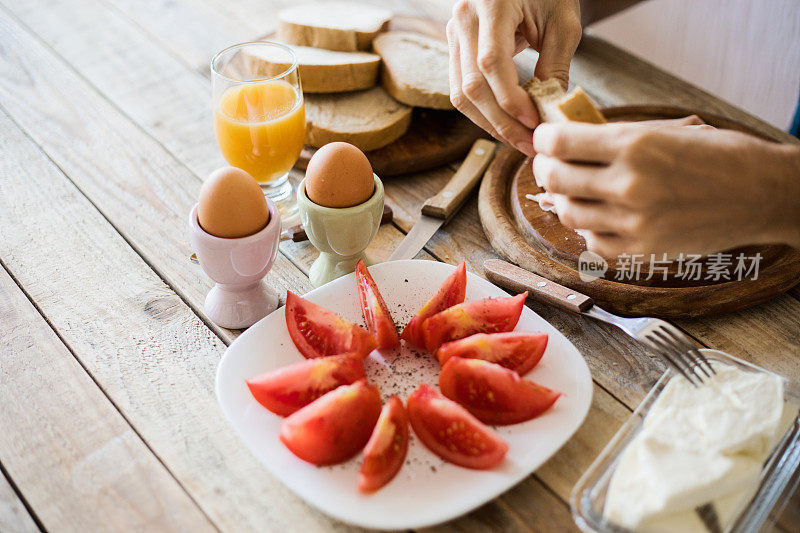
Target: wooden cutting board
[[435, 137], [524, 234]]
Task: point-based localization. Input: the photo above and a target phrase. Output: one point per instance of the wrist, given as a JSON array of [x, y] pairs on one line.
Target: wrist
[[787, 196]]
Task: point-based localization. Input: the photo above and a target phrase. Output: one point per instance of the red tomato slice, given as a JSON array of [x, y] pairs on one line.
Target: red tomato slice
[[318, 332], [376, 314], [449, 431], [386, 449], [334, 427], [494, 394], [452, 292], [515, 350], [285, 390], [491, 315]]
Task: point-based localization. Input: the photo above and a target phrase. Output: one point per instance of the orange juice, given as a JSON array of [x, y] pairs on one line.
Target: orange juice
[[261, 127]]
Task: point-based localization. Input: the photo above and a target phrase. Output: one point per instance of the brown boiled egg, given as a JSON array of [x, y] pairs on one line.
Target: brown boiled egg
[[339, 175], [231, 204]]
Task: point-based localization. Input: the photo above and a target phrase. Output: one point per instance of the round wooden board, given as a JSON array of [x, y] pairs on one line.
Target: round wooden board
[[435, 138], [525, 235]]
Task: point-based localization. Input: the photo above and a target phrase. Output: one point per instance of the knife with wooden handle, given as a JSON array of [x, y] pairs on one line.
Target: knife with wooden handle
[[439, 209]]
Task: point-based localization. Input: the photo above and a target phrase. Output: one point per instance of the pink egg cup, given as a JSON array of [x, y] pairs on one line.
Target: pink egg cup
[[239, 299]]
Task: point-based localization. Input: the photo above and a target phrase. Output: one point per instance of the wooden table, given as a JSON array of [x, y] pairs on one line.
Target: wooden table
[[108, 419]]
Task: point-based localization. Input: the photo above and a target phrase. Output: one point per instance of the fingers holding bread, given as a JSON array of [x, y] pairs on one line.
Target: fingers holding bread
[[478, 93], [497, 29], [457, 97]]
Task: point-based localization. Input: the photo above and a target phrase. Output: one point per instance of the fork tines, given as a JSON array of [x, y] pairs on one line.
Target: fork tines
[[678, 350]]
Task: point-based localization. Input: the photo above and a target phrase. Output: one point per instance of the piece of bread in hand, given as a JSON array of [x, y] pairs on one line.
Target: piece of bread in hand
[[368, 119], [341, 26], [321, 71], [414, 69], [554, 105]]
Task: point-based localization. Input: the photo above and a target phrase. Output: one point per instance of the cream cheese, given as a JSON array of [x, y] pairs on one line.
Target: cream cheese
[[697, 445]]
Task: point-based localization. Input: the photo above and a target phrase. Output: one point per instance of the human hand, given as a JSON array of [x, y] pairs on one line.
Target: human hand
[[639, 189], [484, 36]]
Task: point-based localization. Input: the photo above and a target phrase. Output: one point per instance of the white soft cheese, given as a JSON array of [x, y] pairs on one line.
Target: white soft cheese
[[697, 445]]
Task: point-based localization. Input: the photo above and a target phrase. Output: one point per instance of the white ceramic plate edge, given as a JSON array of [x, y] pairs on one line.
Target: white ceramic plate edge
[[403, 522]]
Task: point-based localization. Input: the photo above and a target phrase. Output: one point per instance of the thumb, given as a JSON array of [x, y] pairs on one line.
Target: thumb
[[560, 40]]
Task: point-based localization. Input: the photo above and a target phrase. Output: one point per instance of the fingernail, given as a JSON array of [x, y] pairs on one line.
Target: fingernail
[[543, 137], [541, 163], [528, 121], [525, 147], [559, 202]]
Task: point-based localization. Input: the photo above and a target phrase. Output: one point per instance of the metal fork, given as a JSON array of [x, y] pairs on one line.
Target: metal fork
[[662, 337]]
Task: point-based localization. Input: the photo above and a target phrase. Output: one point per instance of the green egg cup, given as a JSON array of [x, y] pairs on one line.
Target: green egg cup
[[340, 234]]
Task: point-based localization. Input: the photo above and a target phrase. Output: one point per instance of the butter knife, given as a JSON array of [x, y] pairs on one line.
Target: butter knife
[[439, 209]]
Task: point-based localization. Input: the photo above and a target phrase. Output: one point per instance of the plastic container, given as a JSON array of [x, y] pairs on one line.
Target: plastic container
[[779, 479]]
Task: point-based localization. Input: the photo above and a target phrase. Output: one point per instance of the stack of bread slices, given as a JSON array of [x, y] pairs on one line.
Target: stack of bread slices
[[360, 82]]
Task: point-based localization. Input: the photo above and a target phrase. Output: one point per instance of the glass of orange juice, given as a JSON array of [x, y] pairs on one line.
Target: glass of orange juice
[[259, 118]]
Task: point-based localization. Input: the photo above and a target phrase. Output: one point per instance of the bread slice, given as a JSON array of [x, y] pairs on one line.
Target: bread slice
[[415, 69], [556, 106], [341, 26], [368, 119], [545, 96], [321, 71], [578, 106]]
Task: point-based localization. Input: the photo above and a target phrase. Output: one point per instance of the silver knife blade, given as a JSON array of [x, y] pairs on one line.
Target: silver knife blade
[[440, 208], [416, 239]]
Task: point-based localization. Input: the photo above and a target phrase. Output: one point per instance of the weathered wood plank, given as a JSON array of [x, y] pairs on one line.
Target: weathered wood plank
[[76, 460], [302, 254], [528, 500], [494, 516], [206, 26], [152, 192], [13, 514], [594, 347], [171, 101], [767, 335], [150, 353], [386, 249]]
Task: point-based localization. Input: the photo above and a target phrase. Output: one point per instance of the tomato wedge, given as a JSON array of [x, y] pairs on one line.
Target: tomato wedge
[[491, 315], [386, 449], [516, 350], [452, 292], [285, 390], [334, 427], [318, 332], [449, 431], [494, 394], [376, 314]]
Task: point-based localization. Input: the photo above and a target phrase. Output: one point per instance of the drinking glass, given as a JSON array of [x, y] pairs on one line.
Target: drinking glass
[[259, 117]]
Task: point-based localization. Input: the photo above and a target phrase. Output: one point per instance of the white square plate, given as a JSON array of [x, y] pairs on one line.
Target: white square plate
[[427, 490]]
